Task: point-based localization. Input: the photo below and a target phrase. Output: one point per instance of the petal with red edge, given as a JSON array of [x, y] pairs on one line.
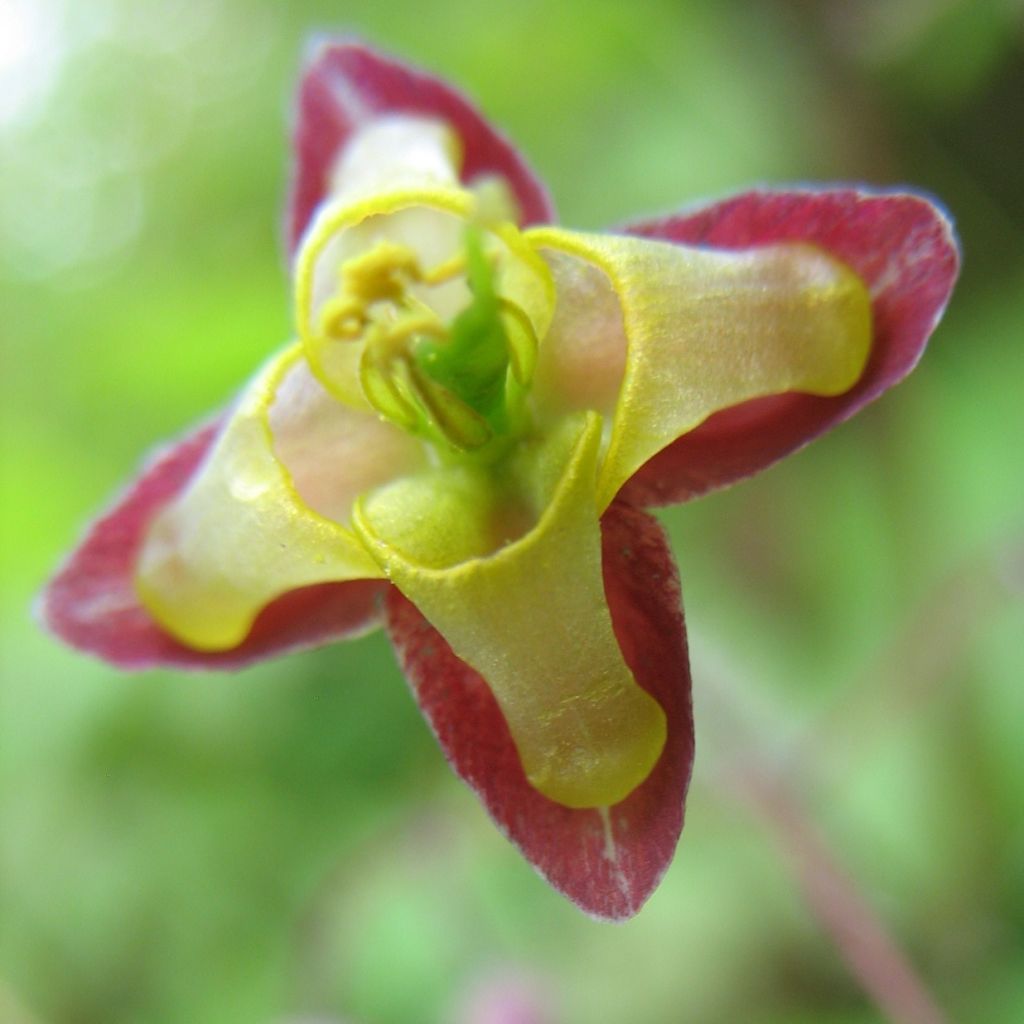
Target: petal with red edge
[[903, 248], [704, 330], [240, 535], [344, 85], [606, 861], [91, 603], [531, 615]]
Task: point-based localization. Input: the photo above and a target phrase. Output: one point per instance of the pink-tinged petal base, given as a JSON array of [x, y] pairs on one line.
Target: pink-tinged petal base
[[903, 248], [91, 602], [606, 862], [345, 84]]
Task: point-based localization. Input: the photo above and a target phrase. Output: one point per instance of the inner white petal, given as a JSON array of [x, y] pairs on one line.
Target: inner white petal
[[433, 235], [582, 360], [395, 152], [332, 452]]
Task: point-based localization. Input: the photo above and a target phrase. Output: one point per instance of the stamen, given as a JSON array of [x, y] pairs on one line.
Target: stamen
[[342, 319], [381, 274], [388, 388], [522, 340], [450, 269], [459, 384], [416, 320]]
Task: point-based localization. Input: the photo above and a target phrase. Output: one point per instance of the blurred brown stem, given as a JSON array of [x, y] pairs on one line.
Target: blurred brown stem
[[861, 939], [904, 673], [757, 778]]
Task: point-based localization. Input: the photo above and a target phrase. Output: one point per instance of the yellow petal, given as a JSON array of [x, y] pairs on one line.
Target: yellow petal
[[240, 535], [430, 222], [704, 330], [531, 616], [397, 179]]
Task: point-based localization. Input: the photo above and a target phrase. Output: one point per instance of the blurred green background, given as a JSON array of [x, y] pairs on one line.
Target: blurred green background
[[287, 844]]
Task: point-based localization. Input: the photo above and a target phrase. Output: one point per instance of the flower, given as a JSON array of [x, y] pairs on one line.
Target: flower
[[464, 434]]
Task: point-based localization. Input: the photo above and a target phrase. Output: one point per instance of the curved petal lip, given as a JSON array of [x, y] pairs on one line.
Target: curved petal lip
[[607, 861], [344, 83], [708, 329], [587, 735], [91, 602], [901, 245]]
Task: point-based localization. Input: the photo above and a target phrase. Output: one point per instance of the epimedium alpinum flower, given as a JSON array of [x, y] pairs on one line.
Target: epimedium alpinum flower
[[462, 437]]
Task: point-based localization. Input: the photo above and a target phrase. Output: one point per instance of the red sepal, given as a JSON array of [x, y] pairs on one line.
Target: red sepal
[[904, 249], [570, 848], [345, 84], [91, 602]]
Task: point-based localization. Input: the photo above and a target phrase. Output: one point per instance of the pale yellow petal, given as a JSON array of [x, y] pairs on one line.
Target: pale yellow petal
[[429, 221], [240, 535], [705, 330], [531, 616], [582, 359]]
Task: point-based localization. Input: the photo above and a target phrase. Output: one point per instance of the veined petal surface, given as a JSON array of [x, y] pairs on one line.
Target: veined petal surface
[[91, 602], [532, 618], [904, 249], [706, 330], [607, 861]]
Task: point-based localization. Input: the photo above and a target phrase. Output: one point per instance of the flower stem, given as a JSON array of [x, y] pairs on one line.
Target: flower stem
[[860, 937], [760, 781]]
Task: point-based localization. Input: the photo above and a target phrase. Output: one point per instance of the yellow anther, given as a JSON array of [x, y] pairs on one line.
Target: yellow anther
[[453, 267], [388, 337], [342, 319], [380, 275]]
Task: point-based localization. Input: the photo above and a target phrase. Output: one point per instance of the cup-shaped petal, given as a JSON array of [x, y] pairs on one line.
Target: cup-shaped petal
[[705, 330], [241, 534], [531, 616]]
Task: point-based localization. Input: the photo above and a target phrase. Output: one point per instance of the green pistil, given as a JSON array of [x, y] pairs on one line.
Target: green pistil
[[461, 386], [471, 365]]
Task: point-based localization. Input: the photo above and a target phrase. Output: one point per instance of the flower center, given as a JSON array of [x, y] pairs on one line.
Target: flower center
[[459, 383]]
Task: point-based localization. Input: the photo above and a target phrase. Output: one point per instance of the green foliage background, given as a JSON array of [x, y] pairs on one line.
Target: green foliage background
[[288, 842]]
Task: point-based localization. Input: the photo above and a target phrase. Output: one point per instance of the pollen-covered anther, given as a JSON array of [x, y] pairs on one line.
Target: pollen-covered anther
[[396, 329], [444, 345], [380, 275]]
